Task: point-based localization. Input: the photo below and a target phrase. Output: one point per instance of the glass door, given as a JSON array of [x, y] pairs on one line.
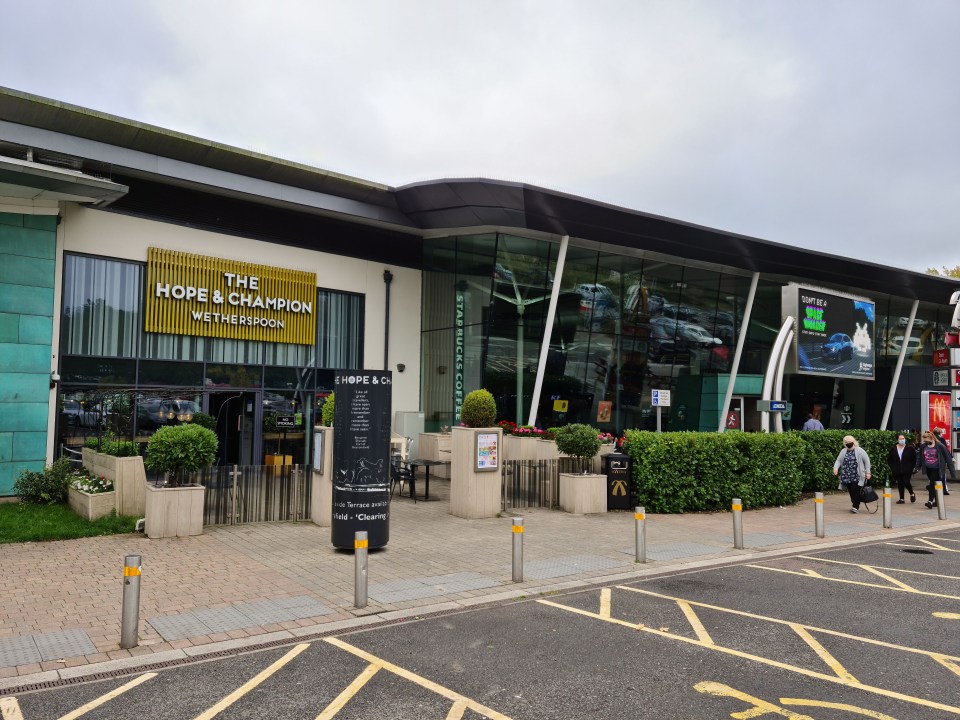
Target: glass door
[[237, 426]]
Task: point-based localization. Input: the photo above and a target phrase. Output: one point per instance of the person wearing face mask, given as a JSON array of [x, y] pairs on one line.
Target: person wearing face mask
[[902, 459], [932, 459], [853, 468], [938, 436]]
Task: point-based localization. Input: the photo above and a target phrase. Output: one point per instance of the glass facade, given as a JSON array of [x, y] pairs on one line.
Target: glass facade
[[106, 356], [624, 325]]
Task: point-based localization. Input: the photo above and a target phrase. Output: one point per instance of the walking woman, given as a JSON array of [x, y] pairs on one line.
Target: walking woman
[[853, 467], [933, 459], [902, 460]]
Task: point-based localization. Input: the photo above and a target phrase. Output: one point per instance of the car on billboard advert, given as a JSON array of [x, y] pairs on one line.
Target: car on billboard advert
[[835, 335]]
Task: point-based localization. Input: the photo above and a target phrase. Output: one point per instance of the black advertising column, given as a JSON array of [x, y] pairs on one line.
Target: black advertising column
[[361, 457]]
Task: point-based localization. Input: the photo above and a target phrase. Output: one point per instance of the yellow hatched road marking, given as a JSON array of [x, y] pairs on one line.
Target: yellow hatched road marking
[[947, 616], [93, 704], [756, 658], [948, 663], [927, 543], [759, 709], [822, 652], [877, 715], [854, 582], [457, 710], [695, 623], [892, 581], [880, 567], [252, 683], [352, 689], [455, 697], [10, 709], [605, 602]]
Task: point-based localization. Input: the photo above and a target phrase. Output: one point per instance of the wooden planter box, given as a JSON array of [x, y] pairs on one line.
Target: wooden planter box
[[519, 448], [474, 494], [91, 506], [174, 512], [583, 494], [128, 476]]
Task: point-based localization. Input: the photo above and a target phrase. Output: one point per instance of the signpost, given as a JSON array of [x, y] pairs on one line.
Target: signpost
[[361, 458], [846, 416], [660, 399]]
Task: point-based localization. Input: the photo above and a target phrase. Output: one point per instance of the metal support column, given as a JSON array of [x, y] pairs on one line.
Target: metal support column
[[741, 341], [900, 358], [548, 330]]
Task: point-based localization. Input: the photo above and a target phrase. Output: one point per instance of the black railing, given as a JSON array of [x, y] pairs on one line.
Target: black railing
[[239, 494]]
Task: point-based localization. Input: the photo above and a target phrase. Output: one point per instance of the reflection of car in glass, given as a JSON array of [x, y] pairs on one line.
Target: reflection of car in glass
[[914, 345], [838, 348], [597, 304], [699, 335], [680, 312], [502, 273], [77, 414]]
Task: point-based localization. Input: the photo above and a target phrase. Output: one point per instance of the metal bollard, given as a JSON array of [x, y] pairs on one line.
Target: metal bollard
[[818, 514], [130, 619], [360, 545], [518, 549], [640, 515], [887, 508], [941, 509], [738, 523]]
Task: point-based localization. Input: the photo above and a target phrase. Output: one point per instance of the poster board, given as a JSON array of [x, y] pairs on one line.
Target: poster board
[[487, 451]]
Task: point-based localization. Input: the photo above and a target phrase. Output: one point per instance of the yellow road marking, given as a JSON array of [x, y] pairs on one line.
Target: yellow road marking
[[695, 623], [420, 680], [947, 616], [926, 544], [456, 711], [252, 683], [881, 567], [822, 652], [84, 709], [760, 707], [948, 663], [854, 582], [892, 581], [352, 689], [765, 661], [10, 709], [837, 706], [605, 602]]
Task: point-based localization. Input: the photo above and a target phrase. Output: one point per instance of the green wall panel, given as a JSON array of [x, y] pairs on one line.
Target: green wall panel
[[24, 387], [27, 300], [24, 417], [28, 446], [16, 358], [14, 220], [31, 271], [36, 330], [28, 242], [10, 471], [41, 222], [10, 328], [6, 447]]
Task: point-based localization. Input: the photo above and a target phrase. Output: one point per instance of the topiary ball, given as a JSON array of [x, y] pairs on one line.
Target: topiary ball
[[479, 409]]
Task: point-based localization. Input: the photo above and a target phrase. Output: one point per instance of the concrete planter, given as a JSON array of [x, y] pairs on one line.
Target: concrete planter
[[174, 512], [547, 450], [128, 476], [91, 506], [321, 490], [474, 494], [519, 448], [437, 446], [583, 494]]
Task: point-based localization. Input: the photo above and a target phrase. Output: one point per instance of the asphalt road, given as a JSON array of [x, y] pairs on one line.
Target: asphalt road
[[864, 632]]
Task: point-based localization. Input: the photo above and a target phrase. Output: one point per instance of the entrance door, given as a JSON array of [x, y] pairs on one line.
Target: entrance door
[[237, 419]]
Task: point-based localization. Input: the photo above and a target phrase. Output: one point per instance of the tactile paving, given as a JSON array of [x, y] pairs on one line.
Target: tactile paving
[[424, 587], [674, 551], [237, 617], [570, 565], [20, 650]]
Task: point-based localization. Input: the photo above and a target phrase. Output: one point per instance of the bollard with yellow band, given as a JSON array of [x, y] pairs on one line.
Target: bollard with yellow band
[[738, 523], [941, 508], [818, 514], [360, 543], [130, 611], [518, 549], [887, 507], [640, 518]]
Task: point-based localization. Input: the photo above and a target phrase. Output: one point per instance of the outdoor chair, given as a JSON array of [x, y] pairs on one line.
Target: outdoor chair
[[399, 475]]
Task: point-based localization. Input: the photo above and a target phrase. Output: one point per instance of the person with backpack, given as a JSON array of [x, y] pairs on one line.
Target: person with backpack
[[902, 459], [938, 436], [853, 468], [932, 458]]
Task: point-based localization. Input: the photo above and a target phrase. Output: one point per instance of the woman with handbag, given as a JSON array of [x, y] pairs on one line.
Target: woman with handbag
[[933, 460], [902, 460], [853, 468]]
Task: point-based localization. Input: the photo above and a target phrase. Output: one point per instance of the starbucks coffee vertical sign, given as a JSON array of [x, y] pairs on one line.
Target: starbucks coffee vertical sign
[[361, 458]]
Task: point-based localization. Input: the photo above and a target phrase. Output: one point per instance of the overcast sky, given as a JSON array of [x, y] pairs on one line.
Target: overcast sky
[[829, 125]]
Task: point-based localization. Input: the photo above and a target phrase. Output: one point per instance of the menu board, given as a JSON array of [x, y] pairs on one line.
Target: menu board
[[488, 456], [361, 457]]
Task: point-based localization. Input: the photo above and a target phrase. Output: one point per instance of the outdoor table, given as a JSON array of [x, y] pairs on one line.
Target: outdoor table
[[426, 465]]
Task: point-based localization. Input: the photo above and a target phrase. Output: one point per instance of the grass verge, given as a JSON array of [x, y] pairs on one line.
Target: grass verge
[[20, 522]]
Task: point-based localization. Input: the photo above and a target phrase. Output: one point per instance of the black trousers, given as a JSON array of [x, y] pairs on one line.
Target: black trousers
[[933, 477], [903, 481], [854, 491]]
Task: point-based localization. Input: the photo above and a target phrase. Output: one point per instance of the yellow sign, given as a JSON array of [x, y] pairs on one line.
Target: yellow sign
[[561, 405], [619, 487], [198, 295]]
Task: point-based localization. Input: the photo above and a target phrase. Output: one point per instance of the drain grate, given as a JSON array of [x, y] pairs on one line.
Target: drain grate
[[916, 551]]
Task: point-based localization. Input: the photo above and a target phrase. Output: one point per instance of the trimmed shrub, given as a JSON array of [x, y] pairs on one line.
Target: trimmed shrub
[[479, 409], [110, 445], [44, 488], [823, 446], [204, 420], [327, 411], [181, 450], [579, 440]]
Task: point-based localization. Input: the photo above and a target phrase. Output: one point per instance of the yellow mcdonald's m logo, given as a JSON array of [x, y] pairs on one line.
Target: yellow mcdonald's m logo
[[619, 487]]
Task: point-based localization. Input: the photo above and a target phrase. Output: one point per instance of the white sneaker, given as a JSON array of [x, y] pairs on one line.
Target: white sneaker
[[854, 510]]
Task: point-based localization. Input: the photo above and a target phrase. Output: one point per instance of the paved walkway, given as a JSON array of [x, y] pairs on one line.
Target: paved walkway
[[232, 587]]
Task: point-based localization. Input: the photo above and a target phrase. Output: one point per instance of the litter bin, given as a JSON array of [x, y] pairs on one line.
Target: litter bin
[[617, 468]]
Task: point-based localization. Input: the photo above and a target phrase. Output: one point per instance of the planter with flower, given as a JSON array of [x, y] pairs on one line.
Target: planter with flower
[[608, 444], [175, 508], [119, 461], [90, 497], [476, 458], [520, 441], [583, 492]]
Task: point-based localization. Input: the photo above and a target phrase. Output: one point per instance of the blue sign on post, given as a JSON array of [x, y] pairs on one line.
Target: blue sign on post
[[778, 405]]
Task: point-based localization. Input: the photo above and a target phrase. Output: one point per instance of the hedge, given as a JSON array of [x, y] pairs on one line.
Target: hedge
[[689, 471]]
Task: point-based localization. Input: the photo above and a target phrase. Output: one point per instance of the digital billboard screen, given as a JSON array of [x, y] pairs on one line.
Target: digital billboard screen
[[835, 335]]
